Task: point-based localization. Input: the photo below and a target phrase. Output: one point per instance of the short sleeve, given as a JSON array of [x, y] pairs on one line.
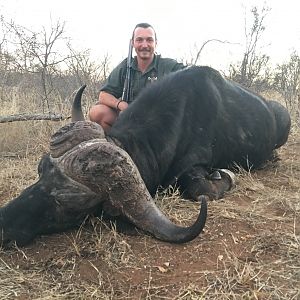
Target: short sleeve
[[115, 81]]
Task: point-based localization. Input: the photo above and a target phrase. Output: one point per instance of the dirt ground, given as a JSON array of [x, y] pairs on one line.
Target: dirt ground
[[250, 248]]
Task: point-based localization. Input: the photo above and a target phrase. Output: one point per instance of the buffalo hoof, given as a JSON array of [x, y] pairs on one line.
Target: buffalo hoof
[[215, 175], [228, 173]]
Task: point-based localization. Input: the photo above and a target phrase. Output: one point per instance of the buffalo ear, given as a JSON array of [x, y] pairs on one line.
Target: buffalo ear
[[44, 164]]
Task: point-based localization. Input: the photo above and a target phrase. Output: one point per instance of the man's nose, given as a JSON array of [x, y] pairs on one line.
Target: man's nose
[[144, 43]]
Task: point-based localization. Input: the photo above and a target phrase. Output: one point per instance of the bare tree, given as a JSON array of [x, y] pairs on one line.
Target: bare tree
[[38, 53], [253, 67], [86, 71], [20, 41], [48, 57], [7, 61], [45, 65], [3, 53], [2, 35], [287, 82], [83, 70], [195, 57]]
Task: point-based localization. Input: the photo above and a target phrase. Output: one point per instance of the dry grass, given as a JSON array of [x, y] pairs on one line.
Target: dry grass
[[19, 139], [250, 248]]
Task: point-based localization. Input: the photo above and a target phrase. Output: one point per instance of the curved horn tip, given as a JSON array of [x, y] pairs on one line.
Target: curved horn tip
[[77, 114], [82, 88]]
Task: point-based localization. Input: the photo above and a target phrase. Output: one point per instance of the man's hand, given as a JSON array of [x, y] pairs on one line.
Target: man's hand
[[121, 105]]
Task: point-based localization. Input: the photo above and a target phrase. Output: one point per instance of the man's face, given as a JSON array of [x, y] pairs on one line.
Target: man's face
[[144, 42]]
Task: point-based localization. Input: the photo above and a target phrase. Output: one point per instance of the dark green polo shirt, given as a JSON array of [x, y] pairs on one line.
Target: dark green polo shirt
[[157, 69]]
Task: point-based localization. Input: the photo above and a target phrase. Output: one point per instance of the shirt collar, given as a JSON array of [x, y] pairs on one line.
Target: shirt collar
[[152, 66]]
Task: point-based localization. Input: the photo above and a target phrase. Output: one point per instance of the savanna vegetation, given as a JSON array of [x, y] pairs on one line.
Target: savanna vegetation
[[250, 248]]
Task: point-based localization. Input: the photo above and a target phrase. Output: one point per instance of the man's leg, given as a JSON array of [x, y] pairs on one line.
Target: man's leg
[[103, 115]]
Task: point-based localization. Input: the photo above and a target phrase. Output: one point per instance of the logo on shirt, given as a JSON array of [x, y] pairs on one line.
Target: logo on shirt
[[152, 78]]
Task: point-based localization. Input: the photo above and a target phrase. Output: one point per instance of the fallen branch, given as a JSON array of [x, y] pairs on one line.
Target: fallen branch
[[27, 117]]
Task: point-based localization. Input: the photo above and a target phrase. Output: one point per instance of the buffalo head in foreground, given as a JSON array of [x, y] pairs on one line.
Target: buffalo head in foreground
[[183, 129], [83, 173]]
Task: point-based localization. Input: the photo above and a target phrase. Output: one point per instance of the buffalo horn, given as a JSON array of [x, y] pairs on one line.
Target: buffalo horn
[[106, 168], [77, 114]]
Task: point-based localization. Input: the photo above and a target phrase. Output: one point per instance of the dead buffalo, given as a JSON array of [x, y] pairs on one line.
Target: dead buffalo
[[183, 129]]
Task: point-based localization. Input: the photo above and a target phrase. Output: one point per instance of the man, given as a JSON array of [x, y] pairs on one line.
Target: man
[[146, 67]]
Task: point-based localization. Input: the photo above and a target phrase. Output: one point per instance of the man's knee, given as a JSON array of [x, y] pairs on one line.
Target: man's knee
[[95, 113], [103, 115]]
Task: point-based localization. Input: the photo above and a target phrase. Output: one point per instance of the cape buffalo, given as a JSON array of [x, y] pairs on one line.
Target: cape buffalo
[[183, 129]]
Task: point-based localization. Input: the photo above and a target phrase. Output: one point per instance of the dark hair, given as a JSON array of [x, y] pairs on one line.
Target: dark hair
[[143, 25]]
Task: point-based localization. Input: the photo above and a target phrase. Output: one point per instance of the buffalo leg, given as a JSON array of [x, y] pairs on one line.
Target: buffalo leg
[[198, 181]]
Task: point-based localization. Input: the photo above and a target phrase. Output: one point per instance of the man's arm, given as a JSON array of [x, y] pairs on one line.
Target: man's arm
[[111, 101], [112, 90]]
